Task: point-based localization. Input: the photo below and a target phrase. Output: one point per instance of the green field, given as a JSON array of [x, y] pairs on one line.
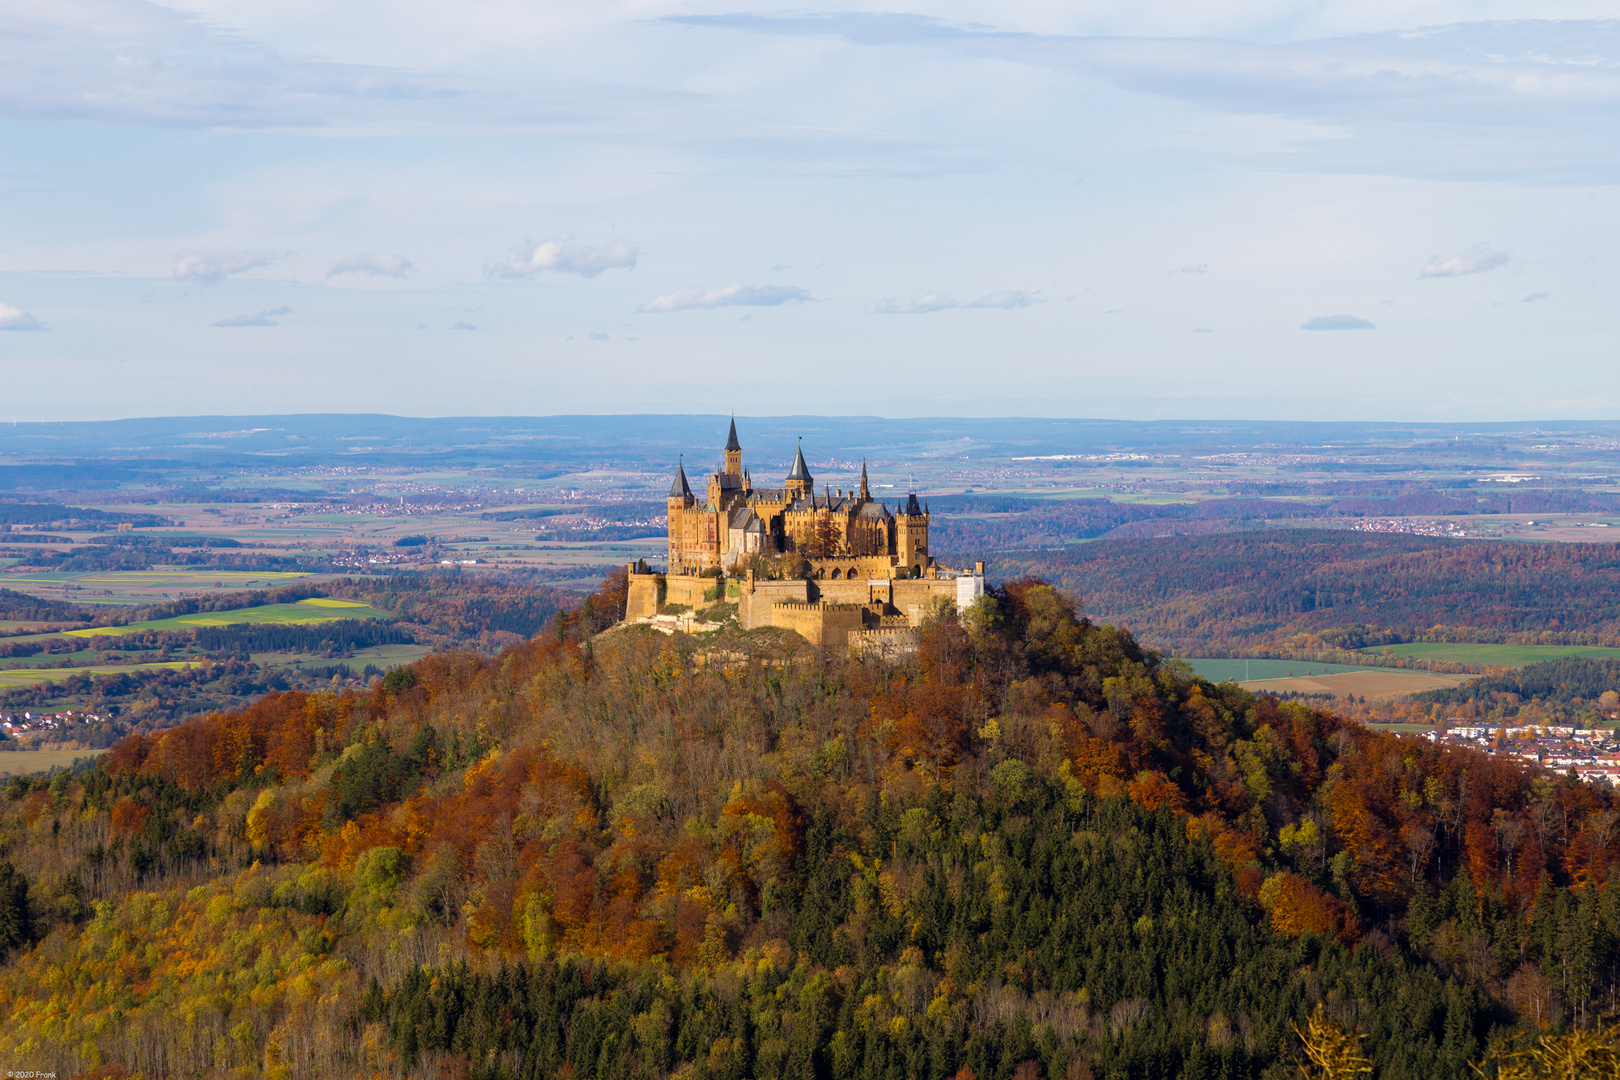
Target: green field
[[1509, 656], [142, 586], [14, 677], [24, 762], [1221, 670], [381, 655], [316, 610]]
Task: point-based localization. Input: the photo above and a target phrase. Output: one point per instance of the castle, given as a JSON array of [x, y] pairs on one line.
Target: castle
[[842, 569]]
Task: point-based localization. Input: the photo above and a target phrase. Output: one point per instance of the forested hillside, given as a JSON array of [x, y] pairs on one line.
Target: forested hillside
[[968, 527], [1032, 850], [1312, 590], [1562, 689]]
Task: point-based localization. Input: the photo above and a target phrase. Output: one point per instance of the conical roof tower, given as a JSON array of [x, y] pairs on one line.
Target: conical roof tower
[[680, 489], [799, 481]]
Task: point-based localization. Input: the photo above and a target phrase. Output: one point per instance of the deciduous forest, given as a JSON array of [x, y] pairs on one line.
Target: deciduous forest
[[1033, 849], [1313, 591]]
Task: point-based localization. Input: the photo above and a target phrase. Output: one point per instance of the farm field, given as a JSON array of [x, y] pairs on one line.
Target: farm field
[[14, 677], [314, 610], [1222, 669], [25, 762], [80, 656], [1510, 656], [1375, 683], [381, 655], [142, 586]]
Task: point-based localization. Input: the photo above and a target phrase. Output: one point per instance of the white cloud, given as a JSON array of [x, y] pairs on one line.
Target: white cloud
[[730, 296], [1533, 297], [258, 318], [371, 262], [1476, 260], [561, 255], [17, 319], [1399, 100], [1201, 268], [1005, 299], [917, 305], [1336, 322], [210, 268], [463, 324]]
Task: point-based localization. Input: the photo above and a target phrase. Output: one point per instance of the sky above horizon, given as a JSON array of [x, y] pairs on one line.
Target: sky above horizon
[[1259, 209]]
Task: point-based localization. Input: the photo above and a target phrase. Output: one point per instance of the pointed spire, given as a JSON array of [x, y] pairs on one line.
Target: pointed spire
[[866, 492], [680, 489], [731, 440], [801, 471]]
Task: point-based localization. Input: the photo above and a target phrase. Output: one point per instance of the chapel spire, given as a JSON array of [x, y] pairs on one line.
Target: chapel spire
[[733, 451]]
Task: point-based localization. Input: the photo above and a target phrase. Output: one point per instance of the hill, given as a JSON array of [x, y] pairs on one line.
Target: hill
[[1034, 849], [1313, 590], [1554, 692]]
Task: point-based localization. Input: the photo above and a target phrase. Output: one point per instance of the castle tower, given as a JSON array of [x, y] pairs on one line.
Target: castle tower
[[733, 451], [800, 484], [911, 537], [680, 492], [866, 492]]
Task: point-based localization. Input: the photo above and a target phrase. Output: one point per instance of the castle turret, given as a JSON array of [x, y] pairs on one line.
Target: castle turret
[[866, 492], [800, 483], [733, 451], [680, 492]]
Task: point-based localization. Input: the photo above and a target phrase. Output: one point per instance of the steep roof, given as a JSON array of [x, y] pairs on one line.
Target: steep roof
[[911, 504], [801, 471], [731, 441], [680, 489]]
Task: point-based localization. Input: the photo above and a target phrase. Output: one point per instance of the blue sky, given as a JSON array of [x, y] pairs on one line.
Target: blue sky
[[1262, 208]]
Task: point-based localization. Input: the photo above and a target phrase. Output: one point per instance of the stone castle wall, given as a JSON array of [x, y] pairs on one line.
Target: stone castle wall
[[830, 613]]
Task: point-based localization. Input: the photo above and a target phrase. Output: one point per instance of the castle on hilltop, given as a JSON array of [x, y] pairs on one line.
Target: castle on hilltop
[[841, 568]]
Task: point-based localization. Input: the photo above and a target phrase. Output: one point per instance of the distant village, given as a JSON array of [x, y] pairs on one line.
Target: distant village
[[16, 725], [1591, 753]]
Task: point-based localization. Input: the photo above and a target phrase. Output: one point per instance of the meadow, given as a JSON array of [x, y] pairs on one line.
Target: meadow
[[1508, 656], [25, 762], [143, 586], [1222, 669], [381, 655], [13, 677], [313, 610]]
